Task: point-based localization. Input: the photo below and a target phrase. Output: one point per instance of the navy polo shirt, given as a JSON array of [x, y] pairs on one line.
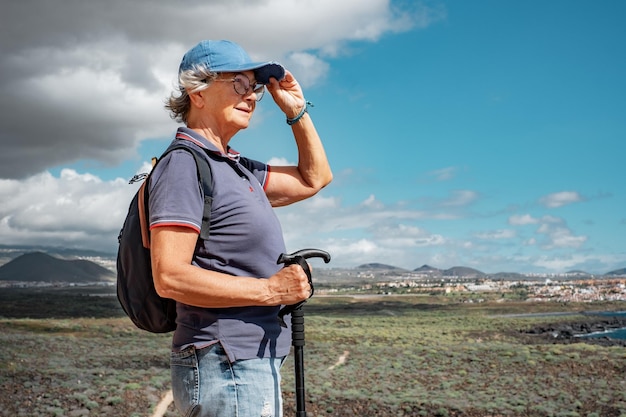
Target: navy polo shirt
[[245, 240]]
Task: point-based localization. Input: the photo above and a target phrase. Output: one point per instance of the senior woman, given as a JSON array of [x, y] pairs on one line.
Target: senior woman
[[228, 345]]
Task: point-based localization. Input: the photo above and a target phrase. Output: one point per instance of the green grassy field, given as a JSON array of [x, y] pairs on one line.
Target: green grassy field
[[378, 356]]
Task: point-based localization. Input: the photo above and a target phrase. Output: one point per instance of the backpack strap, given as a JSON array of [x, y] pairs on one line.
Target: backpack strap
[[205, 178], [142, 208]]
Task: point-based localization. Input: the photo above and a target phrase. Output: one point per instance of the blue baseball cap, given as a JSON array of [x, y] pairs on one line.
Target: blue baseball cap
[[227, 56]]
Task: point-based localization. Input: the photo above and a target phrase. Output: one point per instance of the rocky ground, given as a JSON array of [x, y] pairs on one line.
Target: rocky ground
[[27, 392], [571, 332]]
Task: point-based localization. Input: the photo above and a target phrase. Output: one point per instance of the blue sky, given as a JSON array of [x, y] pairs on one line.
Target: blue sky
[[486, 134]]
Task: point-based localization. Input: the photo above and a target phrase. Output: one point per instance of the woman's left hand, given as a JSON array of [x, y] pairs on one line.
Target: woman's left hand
[[287, 94], [289, 184]]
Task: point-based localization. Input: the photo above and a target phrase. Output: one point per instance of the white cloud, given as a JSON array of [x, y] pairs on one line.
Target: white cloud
[[497, 234], [564, 263], [405, 236], [521, 220], [76, 210], [444, 174], [361, 246], [320, 202], [307, 68], [560, 199], [369, 231], [553, 232], [81, 210], [280, 161], [460, 198], [558, 235], [371, 202], [555, 264]]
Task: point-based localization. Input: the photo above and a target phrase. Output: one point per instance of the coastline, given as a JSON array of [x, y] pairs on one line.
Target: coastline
[[597, 328]]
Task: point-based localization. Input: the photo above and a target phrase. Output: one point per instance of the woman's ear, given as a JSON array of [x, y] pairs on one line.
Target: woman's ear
[[197, 99]]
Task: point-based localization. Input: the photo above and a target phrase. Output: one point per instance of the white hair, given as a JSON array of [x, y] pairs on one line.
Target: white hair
[[189, 81]]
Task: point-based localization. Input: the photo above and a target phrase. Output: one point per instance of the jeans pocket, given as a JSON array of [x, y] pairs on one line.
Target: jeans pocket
[[185, 380]]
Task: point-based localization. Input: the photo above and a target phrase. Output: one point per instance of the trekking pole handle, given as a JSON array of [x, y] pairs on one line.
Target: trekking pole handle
[[300, 258]]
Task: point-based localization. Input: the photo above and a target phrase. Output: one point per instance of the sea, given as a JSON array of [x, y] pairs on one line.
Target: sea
[[613, 334]]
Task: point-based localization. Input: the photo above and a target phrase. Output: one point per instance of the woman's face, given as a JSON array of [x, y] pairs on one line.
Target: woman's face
[[226, 105]]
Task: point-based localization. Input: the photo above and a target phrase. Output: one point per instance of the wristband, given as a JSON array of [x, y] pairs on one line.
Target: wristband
[[299, 116]]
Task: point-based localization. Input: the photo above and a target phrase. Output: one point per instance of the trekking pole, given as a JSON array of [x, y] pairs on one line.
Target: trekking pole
[[297, 320]]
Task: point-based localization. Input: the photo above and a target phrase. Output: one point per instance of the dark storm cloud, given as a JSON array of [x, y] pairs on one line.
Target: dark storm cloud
[[75, 73]]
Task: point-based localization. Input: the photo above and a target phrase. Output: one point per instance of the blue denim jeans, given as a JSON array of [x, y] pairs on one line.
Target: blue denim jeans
[[206, 384]]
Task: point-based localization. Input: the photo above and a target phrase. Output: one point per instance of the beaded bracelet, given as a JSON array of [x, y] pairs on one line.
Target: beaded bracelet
[[299, 116]]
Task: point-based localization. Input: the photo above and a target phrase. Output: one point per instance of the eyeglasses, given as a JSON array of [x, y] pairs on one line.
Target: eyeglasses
[[243, 85]]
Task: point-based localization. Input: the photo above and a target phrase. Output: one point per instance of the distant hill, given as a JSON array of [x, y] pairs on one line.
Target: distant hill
[[377, 266], [578, 272], [38, 266], [617, 272], [458, 271], [462, 271], [509, 276], [428, 269]]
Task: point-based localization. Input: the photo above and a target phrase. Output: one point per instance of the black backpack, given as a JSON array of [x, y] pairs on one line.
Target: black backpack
[[135, 285]]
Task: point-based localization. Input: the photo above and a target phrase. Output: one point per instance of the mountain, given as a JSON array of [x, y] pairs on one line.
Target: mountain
[[578, 272], [428, 269], [39, 266], [377, 266], [462, 271], [509, 276], [617, 272]]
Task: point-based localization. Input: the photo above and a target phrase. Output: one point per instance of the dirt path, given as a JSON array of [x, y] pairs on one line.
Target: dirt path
[[165, 402], [341, 360]]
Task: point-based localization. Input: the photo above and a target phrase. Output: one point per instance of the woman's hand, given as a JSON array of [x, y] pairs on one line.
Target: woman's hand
[[287, 94], [288, 286]]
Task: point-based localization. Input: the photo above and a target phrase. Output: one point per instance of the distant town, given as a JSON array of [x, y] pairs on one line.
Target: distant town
[[473, 286], [38, 269]]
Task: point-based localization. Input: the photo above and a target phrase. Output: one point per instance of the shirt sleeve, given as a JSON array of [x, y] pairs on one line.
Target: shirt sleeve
[[258, 169], [175, 194]]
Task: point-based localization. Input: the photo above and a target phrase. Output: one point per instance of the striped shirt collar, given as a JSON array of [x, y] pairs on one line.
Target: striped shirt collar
[[184, 133]]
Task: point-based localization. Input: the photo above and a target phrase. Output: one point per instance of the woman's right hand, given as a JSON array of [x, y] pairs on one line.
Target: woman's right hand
[[288, 286]]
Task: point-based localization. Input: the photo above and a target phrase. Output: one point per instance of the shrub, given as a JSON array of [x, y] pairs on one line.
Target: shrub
[[113, 400]]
